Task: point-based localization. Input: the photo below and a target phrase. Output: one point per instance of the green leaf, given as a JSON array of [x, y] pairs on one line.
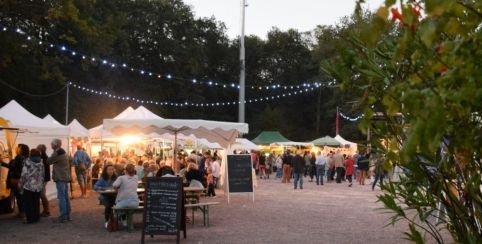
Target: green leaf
[[427, 32], [389, 3]]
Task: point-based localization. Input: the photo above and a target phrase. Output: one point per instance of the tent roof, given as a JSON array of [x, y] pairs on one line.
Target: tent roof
[[244, 144], [345, 142], [51, 119], [77, 130], [268, 137], [17, 116], [326, 141], [98, 131], [292, 143], [223, 133]]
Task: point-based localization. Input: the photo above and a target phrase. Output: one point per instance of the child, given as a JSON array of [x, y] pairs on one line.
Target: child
[[210, 181]]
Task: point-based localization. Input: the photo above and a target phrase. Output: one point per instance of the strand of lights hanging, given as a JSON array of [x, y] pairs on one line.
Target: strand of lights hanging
[[187, 103], [351, 119], [141, 71]]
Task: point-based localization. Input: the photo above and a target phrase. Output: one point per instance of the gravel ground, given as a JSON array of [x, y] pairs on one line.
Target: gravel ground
[[333, 213]]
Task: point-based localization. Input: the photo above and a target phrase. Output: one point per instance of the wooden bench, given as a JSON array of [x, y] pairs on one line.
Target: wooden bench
[[204, 207], [129, 212]]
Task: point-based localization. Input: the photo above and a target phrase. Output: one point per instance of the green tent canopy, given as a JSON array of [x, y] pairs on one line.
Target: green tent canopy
[[326, 141], [268, 137]]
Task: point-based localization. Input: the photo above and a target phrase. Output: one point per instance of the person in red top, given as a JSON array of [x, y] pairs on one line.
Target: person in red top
[[350, 169]]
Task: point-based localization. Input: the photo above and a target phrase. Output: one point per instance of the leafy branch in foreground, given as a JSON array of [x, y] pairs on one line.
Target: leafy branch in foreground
[[416, 67]]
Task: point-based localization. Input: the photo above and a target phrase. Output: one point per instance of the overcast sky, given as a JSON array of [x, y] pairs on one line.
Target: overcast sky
[[262, 15]]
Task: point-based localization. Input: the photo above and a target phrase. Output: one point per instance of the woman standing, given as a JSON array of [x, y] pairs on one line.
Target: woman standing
[[43, 195], [363, 167], [262, 166], [312, 166], [350, 169], [31, 183], [106, 181]]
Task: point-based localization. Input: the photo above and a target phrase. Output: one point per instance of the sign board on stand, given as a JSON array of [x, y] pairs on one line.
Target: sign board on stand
[[239, 174], [164, 207]]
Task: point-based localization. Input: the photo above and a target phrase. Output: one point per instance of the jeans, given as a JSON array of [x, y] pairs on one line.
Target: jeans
[[298, 177], [127, 203], [378, 176], [108, 202], [63, 197], [279, 172], [320, 172], [339, 172]]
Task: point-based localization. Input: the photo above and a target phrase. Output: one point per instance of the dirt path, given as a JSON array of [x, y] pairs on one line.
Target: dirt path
[[333, 213]]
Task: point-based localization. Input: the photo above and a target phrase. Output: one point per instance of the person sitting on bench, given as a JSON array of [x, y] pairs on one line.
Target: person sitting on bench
[[127, 190], [105, 182]]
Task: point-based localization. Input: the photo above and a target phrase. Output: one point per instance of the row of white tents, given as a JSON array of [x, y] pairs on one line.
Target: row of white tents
[[21, 126], [142, 122]]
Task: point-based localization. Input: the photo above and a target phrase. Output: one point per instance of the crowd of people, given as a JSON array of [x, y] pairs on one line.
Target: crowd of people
[[333, 166], [28, 175], [30, 171]]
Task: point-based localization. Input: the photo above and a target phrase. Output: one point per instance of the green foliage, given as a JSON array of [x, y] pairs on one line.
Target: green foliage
[[420, 72]]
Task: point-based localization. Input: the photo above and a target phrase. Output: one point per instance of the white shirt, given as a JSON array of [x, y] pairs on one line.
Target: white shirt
[[321, 160], [127, 187], [216, 169]]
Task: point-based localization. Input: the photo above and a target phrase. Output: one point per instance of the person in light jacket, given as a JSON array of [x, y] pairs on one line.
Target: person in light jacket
[[31, 184]]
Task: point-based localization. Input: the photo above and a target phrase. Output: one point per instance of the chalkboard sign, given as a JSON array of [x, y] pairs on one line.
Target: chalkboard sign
[[163, 207], [240, 173]]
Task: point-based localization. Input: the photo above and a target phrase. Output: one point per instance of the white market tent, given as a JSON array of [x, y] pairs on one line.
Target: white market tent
[[292, 143], [244, 144], [51, 119], [99, 132], [38, 130], [223, 133], [77, 129], [353, 146]]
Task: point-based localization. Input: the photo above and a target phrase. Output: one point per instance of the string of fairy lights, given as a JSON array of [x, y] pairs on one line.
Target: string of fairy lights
[[167, 76], [189, 103], [351, 119], [290, 90]]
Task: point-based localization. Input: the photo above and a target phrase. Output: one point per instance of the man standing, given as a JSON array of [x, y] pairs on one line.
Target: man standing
[[339, 163], [216, 168], [320, 164], [61, 177], [82, 163], [298, 168]]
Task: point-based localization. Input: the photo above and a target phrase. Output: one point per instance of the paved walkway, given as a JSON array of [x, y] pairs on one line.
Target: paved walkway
[[333, 213]]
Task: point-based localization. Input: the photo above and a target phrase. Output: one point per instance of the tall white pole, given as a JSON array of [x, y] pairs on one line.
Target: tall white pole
[[242, 75], [67, 105]]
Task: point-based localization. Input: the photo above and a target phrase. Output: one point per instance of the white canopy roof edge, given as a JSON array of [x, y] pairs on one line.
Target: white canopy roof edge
[[77, 130], [244, 144], [98, 132], [292, 143], [19, 117], [223, 133]]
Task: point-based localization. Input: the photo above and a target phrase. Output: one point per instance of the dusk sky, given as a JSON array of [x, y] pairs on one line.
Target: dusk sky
[[262, 15]]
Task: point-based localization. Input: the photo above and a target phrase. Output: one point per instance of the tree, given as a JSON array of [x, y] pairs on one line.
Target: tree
[[420, 72]]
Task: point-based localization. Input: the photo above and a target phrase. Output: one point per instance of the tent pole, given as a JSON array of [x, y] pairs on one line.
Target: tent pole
[[174, 156]]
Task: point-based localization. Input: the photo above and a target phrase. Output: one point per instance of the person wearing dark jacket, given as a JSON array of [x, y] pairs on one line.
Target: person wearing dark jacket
[[14, 174], [298, 169], [43, 195]]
